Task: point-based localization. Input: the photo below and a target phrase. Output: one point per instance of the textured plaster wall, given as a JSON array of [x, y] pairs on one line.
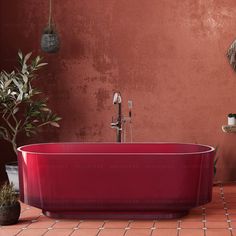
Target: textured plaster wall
[[167, 56]]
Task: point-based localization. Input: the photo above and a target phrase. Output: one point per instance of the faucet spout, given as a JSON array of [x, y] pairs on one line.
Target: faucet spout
[[116, 98]]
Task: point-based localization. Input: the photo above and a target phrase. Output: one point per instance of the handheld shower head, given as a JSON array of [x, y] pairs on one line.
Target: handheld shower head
[[130, 104]]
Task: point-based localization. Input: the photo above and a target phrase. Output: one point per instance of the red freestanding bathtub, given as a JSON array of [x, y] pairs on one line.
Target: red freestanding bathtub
[[115, 180]]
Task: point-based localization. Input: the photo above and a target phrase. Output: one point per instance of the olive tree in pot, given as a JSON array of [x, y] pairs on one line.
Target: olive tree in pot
[[23, 110], [9, 205]]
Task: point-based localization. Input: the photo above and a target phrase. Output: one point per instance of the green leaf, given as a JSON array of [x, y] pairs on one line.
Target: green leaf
[[37, 59], [20, 54], [19, 98], [42, 64], [7, 83], [44, 109], [4, 104], [15, 110], [12, 73], [25, 78], [55, 124], [24, 68], [27, 56], [16, 83], [34, 113], [57, 118]]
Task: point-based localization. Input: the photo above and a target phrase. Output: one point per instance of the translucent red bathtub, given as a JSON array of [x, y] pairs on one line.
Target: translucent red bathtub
[[111, 180]]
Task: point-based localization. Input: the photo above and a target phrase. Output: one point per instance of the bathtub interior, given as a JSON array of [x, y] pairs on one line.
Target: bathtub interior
[[164, 148]]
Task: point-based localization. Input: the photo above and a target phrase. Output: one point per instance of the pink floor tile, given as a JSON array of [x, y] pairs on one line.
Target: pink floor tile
[[85, 232], [215, 211], [234, 232], [230, 196], [116, 224], [191, 225], [33, 232], [217, 225], [190, 232], [112, 232], [138, 232], [42, 223], [232, 217], [166, 224], [8, 232], [214, 206], [141, 224], [233, 224], [231, 204], [231, 210], [66, 224], [59, 232], [216, 217], [218, 232], [24, 207], [91, 224], [32, 212], [164, 232], [229, 188]]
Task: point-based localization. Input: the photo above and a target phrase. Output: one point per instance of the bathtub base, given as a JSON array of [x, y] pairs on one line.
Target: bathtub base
[[142, 215]]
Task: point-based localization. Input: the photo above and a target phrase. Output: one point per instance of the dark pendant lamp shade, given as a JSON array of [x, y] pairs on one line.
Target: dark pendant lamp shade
[[50, 42]]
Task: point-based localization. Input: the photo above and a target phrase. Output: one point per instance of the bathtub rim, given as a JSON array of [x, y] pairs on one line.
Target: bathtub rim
[[211, 149]]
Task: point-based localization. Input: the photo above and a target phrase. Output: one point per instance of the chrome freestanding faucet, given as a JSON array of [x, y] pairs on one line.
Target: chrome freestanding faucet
[[118, 123], [120, 120]]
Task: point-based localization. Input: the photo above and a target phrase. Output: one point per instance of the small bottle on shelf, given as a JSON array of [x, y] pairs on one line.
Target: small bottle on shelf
[[231, 119]]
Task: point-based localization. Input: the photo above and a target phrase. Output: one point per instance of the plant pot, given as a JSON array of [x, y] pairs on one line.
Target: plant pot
[[50, 42], [9, 215], [12, 173]]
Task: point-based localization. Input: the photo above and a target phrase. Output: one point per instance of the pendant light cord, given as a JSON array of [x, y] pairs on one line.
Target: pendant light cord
[[50, 14]]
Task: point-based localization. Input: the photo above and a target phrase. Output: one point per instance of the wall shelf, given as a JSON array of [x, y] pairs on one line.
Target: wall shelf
[[229, 128]]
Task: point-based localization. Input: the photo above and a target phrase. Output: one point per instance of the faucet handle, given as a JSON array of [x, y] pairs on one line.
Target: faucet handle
[[114, 124]]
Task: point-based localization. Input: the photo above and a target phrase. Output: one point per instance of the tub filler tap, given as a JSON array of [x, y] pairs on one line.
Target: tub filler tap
[[119, 122]]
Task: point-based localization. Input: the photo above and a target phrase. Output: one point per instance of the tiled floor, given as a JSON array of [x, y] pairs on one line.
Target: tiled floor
[[217, 218]]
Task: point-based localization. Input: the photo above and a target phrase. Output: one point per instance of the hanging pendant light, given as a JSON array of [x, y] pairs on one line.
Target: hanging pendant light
[[50, 40]]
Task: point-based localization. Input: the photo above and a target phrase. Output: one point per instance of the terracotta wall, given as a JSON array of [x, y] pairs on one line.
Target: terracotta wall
[[167, 56]]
